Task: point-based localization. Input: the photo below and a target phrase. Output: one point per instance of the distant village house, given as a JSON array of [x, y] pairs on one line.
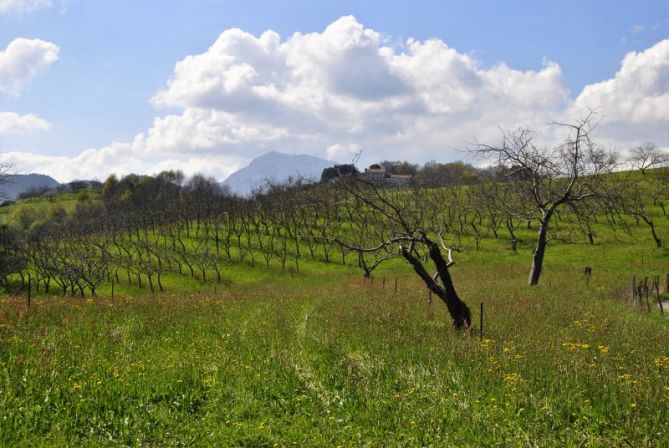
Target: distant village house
[[378, 173]]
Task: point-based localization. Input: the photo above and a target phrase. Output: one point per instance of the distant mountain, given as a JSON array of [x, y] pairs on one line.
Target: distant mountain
[[18, 183], [275, 167]]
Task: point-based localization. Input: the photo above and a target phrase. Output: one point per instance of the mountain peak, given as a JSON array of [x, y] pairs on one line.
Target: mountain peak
[[19, 183], [275, 167]]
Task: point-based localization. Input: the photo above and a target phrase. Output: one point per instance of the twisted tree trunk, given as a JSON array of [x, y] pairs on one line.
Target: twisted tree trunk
[[458, 309]]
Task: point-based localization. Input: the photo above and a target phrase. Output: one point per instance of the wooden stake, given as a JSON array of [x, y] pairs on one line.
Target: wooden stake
[[657, 292], [112, 282], [29, 290], [481, 323]]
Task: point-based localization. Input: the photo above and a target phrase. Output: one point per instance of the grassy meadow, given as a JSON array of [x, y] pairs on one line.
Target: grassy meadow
[[327, 359], [39, 207]]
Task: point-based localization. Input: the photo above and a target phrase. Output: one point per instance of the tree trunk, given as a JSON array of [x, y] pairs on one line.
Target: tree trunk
[[458, 310], [658, 241], [514, 241], [539, 250]]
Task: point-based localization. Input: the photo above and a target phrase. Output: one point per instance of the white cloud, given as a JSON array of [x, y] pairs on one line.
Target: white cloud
[[90, 164], [635, 102], [329, 94], [342, 151], [636, 29], [23, 6], [218, 167], [202, 129], [11, 122], [22, 60], [309, 91], [120, 159]]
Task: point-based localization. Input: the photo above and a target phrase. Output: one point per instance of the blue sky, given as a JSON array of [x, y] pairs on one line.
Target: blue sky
[[113, 57]]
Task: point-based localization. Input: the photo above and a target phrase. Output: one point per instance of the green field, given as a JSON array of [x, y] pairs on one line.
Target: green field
[[41, 207], [326, 359]]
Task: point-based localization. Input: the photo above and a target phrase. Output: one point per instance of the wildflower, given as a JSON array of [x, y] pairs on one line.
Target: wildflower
[[487, 342], [603, 349], [573, 346], [512, 379], [662, 361]]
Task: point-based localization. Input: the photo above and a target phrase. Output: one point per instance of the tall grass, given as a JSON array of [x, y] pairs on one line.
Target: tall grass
[[327, 362], [326, 359]]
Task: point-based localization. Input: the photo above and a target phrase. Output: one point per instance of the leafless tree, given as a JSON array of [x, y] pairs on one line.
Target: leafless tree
[[548, 179], [400, 226], [5, 173], [636, 199], [646, 156]]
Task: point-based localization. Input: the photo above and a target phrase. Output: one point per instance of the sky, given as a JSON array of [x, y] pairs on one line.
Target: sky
[[94, 87]]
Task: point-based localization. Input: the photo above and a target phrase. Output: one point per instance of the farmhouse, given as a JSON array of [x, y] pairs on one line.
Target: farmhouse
[[378, 173]]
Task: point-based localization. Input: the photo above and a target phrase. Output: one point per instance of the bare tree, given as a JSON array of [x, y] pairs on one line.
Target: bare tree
[[634, 197], [5, 173], [646, 156], [548, 179], [398, 223]]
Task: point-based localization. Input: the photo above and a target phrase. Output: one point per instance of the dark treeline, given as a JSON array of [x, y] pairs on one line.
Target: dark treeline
[[75, 186]]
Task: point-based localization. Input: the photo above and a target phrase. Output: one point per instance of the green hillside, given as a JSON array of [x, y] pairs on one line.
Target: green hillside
[[310, 353]]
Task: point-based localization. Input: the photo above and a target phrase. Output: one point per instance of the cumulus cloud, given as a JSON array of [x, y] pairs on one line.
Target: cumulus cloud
[[118, 158], [22, 60], [635, 102], [23, 6], [90, 164], [309, 91], [198, 130], [335, 92], [13, 123]]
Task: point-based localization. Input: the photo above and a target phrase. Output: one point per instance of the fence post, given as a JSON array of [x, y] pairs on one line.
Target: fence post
[[481, 323], [657, 293]]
